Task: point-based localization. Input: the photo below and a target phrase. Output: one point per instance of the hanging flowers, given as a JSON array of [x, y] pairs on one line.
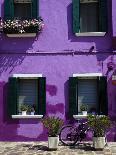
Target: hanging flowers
[[22, 26]]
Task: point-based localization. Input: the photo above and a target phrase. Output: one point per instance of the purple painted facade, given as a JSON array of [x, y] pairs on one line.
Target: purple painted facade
[[57, 54]]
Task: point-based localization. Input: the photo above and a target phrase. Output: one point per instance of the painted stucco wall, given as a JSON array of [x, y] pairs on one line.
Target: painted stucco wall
[[28, 55]]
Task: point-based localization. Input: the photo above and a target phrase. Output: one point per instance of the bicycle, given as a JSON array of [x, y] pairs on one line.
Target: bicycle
[[69, 135]]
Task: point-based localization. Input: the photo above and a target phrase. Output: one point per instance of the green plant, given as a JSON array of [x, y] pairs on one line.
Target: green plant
[[31, 108], [99, 124], [23, 107], [83, 107], [53, 125]]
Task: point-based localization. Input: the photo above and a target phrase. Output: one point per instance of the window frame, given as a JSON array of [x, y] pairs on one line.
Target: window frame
[[9, 9], [76, 20], [27, 76], [73, 103]]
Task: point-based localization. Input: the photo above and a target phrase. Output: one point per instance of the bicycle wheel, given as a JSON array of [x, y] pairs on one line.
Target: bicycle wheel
[[68, 135]]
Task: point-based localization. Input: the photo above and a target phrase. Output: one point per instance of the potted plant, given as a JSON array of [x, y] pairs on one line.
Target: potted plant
[[31, 110], [53, 125], [84, 108], [24, 108], [99, 124]]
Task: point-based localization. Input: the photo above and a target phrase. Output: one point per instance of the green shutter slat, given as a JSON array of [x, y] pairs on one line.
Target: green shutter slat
[[35, 8], [76, 16], [9, 9], [41, 107], [103, 16], [12, 96], [103, 96], [73, 96]]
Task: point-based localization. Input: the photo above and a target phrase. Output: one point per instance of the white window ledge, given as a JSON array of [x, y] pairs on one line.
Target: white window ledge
[[90, 34], [88, 75], [77, 117], [21, 35], [27, 76], [26, 116]]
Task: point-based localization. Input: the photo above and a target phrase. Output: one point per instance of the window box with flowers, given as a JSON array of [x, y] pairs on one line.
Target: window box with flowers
[[22, 28], [21, 18]]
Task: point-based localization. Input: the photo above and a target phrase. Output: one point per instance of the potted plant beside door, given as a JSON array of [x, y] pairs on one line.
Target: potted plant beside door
[[53, 125], [99, 125]]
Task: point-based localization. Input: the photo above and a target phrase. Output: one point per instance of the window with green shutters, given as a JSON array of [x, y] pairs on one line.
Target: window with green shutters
[[90, 16], [21, 9], [31, 92], [92, 92]]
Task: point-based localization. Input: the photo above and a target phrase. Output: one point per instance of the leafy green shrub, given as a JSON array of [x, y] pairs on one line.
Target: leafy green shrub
[[53, 125], [99, 124]]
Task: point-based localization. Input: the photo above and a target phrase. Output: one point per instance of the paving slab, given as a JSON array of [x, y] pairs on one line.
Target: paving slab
[[41, 148]]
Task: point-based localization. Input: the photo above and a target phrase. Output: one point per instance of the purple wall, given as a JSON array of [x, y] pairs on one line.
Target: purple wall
[[50, 53]]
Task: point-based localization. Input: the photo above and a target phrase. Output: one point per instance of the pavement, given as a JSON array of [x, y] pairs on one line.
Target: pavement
[[40, 148]]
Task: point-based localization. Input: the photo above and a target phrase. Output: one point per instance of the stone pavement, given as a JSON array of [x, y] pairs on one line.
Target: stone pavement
[[40, 148]]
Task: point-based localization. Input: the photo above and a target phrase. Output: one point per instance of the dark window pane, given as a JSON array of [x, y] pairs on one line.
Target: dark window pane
[[88, 17], [22, 10]]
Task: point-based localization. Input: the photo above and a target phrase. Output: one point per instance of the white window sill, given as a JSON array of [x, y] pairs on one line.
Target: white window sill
[[90, 34], [26, 116], [21, 35], [80, 116]]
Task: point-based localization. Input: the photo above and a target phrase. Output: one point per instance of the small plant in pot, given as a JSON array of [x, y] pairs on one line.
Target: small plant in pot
[[31, 110], [24, 109], [53, 125], [84, 108], [99, 125]]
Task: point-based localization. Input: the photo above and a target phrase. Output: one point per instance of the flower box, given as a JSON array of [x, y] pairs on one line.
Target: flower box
[[22, 28], [21, 35]]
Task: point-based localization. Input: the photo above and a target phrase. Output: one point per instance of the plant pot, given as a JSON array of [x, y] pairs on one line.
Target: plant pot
[[32, 113], [84, 112], [24, 112], [53, 143], [99, 142]]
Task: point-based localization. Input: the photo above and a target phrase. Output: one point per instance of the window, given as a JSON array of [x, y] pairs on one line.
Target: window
[[90, 17], [26, 90], [21, 9], [91, 91], [87, 93]]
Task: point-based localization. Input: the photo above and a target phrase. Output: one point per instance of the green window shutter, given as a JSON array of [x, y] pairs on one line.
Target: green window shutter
[[103, 96], [35, 8], [41, 107], [12, 96], [103, 17], [73, 96], [76, 16], [9, 9]]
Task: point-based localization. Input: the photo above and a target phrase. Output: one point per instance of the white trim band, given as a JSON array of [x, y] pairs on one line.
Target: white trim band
[[26, 116], [27, 75], [87, 75]]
